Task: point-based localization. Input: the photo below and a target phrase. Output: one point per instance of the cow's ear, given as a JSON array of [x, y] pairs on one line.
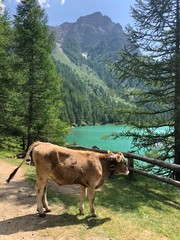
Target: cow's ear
[[120, 157]]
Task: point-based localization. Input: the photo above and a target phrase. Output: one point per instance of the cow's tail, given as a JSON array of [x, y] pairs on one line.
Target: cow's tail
[[31, 147]]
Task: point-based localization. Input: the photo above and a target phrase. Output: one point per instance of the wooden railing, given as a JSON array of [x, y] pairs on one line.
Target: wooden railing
[[131, 157]]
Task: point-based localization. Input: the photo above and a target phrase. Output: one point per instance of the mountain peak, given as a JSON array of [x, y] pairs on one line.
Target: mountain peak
[[97, 20], [94, 19]]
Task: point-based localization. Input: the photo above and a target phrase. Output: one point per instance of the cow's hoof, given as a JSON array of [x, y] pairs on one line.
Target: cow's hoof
[[81, 214], [47, 210], [42, 215], [94, 215]]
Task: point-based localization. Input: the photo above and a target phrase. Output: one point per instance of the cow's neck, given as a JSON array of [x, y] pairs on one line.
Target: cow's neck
[[112, 166], [108, 164]]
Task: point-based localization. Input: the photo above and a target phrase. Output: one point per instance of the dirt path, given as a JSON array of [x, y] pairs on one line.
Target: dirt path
[[18, 218], [17, 205]]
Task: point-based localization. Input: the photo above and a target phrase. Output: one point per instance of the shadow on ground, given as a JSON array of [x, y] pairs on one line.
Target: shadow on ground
[[32, 222]]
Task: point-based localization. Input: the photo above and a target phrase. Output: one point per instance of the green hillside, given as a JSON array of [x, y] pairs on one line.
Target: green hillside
[[87, 99]]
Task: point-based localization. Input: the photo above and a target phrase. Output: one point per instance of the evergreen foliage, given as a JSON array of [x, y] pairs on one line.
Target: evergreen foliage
[[156, 97], [7, 76], [41, 86], [85, 103], [36, 98]]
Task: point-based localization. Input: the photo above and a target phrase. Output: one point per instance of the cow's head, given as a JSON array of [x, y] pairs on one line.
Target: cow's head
[[121, 167]]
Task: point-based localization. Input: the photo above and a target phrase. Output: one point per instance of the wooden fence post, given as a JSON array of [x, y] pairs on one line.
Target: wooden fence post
[[131, 165]]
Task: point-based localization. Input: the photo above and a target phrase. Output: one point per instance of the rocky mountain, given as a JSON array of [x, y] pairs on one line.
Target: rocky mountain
[[94, 36], [80, 53]]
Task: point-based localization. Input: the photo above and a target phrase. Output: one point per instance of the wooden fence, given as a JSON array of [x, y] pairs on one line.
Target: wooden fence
[[131, 157]]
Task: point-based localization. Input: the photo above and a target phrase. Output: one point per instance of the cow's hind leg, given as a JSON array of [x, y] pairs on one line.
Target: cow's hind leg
[[91, 196], [40, 185], [82, 199], [44, 199]]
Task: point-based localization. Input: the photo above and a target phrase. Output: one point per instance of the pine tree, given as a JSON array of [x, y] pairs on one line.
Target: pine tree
[[40, 97], [151, 77], [6, 72]]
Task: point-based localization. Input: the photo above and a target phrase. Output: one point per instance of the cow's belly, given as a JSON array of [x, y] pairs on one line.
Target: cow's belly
[[60, 180]]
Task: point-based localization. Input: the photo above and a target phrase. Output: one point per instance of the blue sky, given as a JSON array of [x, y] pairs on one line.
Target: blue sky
[[60, 11]]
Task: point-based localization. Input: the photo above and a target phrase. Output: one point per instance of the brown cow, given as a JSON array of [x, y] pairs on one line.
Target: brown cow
[[66, 166]]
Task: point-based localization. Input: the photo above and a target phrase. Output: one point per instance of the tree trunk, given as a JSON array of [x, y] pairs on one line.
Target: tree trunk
[[29, 128], [177, 93], [31, 99]]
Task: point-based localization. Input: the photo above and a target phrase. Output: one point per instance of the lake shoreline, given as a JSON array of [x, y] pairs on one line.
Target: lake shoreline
[[97, 135]]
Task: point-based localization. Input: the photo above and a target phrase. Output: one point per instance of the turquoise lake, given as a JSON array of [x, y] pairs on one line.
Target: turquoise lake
[[89, 136]]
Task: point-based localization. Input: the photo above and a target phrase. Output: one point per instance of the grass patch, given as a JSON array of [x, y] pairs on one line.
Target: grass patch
[[144, 202], [9, 157], [139, 209]]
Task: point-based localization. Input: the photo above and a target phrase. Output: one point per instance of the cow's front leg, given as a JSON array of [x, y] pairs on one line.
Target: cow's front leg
[[91, 196], [82, 199], [44, 200]]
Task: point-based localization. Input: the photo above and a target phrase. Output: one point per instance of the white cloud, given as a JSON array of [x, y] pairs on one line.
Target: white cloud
[[47, 5], [2, 7], [43, 3], [62, 2]]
